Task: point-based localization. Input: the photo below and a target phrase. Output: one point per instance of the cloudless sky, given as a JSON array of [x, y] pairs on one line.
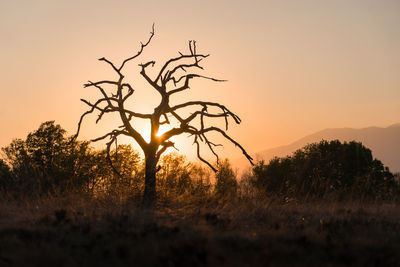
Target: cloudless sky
[[293, 67]]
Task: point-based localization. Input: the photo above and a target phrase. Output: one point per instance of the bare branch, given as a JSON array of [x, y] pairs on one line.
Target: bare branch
[[187, 79], [95, 105], [223, 133], [113, 139], [179, 118], [137, 115], [147, 78], [165, 145], [112, 65], [200, 157], [173, 132], [100, 89], [130, 91], [145, 65], [172, 60], [115, 109], [111, 134], [202, 103], [210, 146], [142, 46], [80, 123], [193, 116], [166, 119], [99, 83], [126, 121], [169, 75]]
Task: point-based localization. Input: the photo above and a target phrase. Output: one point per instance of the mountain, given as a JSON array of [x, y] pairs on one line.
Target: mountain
[[384, 143]]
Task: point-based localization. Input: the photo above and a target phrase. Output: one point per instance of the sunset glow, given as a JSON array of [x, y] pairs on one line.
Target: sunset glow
[[292, 68]]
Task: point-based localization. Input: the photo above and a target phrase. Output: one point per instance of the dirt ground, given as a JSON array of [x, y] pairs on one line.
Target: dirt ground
[[85, 232]]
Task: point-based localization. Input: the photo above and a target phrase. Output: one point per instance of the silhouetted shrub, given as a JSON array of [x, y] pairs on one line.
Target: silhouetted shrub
[[397, 177], [326, 167], [5, 175], [127, 163], [174, 175], [178, 177], [226, 182], [201, 180], [47, 161]]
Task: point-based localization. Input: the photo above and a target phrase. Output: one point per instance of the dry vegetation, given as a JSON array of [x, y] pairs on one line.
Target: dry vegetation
[[78, 230]]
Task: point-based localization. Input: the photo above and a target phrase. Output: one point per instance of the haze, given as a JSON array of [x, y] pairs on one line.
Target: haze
[[293, 67]]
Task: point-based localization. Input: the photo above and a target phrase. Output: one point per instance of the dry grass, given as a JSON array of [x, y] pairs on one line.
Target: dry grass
[[77, 230]]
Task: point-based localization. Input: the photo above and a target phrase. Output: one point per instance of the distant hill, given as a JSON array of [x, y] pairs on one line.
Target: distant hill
[[384, 143]]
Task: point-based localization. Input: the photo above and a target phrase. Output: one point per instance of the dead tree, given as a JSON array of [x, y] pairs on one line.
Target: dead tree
[[173, 77]]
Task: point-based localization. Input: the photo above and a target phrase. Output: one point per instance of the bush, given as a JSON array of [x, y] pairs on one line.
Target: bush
[[5, 175], [126, 161], [326, 167], [226, 182], [48, 161], [42, 161], [178, 177]]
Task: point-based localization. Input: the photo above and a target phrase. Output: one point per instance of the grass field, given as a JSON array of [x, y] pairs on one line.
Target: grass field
[[82, 231]]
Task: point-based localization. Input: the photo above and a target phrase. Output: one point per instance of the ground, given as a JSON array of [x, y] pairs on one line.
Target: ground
[[82, 231]]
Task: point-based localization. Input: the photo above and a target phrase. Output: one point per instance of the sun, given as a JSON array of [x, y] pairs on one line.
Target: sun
[[146, 132]]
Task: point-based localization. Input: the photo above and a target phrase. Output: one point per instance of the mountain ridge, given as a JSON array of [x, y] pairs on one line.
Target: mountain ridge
[[384, 143]]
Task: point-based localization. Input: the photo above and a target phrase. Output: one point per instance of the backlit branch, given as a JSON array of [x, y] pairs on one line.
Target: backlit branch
[[147, 78], [108, 144], [196, 141], [165, 75], [187, 79], [102, 110], [112, 65], [173, 60], [224, 134], [164, 146], [225, 111], [142, 46]]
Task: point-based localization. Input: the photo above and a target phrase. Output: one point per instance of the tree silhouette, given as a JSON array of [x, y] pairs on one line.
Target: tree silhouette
[[48, 160], [326, 167], [173, 77]]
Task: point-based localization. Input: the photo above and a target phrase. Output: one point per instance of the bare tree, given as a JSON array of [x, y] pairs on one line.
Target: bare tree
[[173, 77]]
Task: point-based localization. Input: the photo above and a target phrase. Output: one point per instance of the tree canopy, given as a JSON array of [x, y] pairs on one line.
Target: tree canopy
[[325, 167]]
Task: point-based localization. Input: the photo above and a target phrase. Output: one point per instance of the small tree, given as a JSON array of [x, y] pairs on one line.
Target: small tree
[[173, 77], [226, 183], [48, 160]]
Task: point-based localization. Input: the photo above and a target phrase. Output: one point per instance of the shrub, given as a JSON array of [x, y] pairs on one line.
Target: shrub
[[5, 175], [226, 182], [326, 167], [49, 161]]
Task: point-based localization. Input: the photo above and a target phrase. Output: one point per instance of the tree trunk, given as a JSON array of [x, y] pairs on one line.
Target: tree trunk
[[149, 195]]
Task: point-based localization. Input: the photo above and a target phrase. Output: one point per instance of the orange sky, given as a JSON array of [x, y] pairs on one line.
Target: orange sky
[[294, 67]]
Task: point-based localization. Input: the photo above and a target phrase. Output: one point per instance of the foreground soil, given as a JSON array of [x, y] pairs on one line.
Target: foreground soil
[[77, 231]]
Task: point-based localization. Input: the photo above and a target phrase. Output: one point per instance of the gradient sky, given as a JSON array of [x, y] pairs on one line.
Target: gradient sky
[[293, 67]]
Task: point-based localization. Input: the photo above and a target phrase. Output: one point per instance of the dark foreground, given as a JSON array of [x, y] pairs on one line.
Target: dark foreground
[[83, 232]]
